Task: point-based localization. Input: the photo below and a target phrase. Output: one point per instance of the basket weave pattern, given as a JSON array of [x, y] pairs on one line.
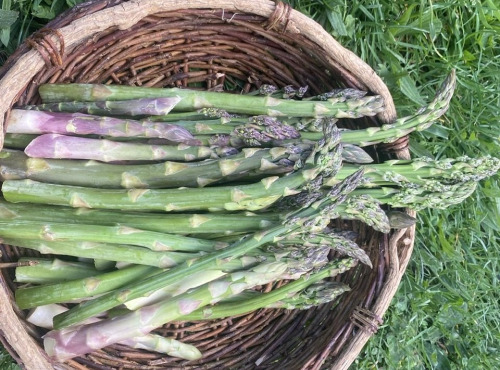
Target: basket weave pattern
[[208, 46]]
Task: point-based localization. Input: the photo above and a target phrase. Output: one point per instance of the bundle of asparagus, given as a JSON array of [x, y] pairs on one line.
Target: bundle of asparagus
[[156, 205]]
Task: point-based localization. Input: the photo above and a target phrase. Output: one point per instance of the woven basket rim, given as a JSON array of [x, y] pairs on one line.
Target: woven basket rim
[[28, 64]]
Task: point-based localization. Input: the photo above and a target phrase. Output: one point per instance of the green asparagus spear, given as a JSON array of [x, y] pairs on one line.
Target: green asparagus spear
[[216, 115], [60, 231], [17, 141], [275, 298], [304, 218], [335, 242], [423, 183], [132, 107], [192, 223], [169, 346], [113, 252], [68, 291], [65, 344], [192, 99], [298, 259], [245, 197], [387, 133], [422, 170], [47, 270], [168, 174], [419, 121]]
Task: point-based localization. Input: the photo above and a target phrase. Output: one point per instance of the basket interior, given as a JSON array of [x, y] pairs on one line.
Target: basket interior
[[217, 50]]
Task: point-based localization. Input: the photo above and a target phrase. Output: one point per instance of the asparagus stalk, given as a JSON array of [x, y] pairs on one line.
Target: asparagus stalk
[[322, 160], [132, 107], [304, 218], [70, 342], [264, 129], [245, 197], [169, 346], [72, 290], [293, 292], [217, 115], [42, 316], [114, 252], [423, 182], [420, 198], [54, 231], [256, 131], [192, 99], [367, 209], [287, 92], [314, 295], [400, 220], [419, 121], [300, 260], [168, 174], [99, 283], [207, 127], [47, 271], [388, 133], [421, 171], [193, 281], [17, 141], [34, 122], [357, 206], [104, 265], [73, 147], [348, 93], [354, 154], [65, 344], [350, 152], [206, 121], [195, 223]]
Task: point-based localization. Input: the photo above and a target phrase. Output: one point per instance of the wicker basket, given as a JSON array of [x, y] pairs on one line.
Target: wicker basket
[[176, 43]]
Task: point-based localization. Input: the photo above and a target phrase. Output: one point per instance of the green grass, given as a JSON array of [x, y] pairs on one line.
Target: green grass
[[6, 362], [446, 314]]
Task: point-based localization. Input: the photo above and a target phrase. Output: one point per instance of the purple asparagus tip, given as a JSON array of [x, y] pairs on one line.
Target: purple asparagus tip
[[264, 129]]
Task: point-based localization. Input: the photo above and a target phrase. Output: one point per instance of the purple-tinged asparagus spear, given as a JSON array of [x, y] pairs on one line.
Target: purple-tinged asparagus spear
[[42, 316], [36, 122], [73, 147]]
